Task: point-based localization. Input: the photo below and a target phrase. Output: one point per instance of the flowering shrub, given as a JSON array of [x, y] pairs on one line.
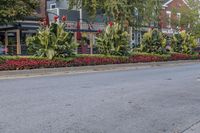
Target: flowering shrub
[[114, 40], [178, 56], [27, 63], [95, 60], [34, 63], [52, 41], [145, 58]]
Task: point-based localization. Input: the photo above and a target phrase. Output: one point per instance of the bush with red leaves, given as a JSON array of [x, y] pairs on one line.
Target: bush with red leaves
[[27, 63], [31, 63], [178, 56], [95, 60], [145, 58]]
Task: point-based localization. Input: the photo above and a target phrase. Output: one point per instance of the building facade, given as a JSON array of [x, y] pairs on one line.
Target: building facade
[[61, 8], [165, 25], [167, 15]]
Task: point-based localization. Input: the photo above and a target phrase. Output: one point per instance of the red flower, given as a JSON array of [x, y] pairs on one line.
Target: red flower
[[99, 31], [111, 24], [56, 18], [64, 18], [45, 21]]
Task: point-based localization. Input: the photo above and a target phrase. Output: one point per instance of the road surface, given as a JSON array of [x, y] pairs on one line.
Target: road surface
[[153, 100]]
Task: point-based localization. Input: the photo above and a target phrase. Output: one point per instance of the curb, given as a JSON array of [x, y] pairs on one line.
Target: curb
[[89, 69]]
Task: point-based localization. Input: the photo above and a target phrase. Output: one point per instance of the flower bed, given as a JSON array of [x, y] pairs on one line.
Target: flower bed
[[145, 58], [178, 56], [13, 63], [28, 63], [95, 60]]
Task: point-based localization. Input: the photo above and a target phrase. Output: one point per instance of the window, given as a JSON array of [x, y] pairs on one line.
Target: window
[[169, 15], [52, 6]]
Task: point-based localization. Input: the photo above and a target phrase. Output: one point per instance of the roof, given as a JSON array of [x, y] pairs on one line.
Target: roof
[[166, 2], [23, 25]]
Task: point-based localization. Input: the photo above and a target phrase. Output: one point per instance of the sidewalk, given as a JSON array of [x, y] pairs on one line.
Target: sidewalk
[[87, 69]]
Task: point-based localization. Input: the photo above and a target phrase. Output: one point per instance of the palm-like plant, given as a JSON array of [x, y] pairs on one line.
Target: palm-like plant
[[113, 41], [51, 44], [153, 42], [184, 42]]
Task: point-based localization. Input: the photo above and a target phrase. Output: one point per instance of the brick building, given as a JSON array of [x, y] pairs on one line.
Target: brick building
[[167, 15]]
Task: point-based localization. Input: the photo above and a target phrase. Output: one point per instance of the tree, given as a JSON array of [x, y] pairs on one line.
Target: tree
[[189, 18], [121, 11], [11, 10]]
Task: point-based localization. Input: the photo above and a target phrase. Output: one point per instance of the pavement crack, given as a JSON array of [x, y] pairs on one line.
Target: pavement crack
[[188, 128]]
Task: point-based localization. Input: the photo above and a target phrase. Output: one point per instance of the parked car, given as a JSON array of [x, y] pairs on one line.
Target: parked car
[[3, 50]]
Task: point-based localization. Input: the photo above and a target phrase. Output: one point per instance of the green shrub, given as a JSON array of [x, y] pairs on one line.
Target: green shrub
[[1, 59], [184, 42], [113, 41], [52, 42], [153, 42], [4, 58]]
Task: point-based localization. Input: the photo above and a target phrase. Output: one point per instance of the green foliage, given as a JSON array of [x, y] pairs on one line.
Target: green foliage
[[113, 41], [1, 59], [184, 42], [11, 10], [189, 19], [52, 42], [122, 11], [4, 58], [154, 42]]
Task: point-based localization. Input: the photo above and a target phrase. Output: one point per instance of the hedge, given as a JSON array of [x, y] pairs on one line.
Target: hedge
[[21, 63]]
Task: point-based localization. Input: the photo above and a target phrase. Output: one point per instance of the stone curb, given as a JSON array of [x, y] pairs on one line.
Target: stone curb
[[86, 69]]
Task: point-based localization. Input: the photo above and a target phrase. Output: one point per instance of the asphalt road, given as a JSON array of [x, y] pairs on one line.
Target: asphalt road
[[153, 100]]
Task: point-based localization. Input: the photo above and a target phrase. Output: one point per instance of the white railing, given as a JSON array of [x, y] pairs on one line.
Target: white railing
[[85, 26]]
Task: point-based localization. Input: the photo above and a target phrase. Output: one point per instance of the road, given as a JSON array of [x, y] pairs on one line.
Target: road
[[152, 100]]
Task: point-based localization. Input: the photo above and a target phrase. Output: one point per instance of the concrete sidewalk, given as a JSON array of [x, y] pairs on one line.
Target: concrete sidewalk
[[86, 69]]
